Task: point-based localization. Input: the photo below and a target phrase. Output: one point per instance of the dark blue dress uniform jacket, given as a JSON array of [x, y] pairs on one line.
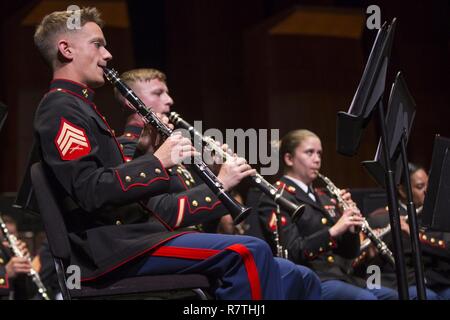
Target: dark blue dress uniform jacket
[[103, 195], [308, 240]]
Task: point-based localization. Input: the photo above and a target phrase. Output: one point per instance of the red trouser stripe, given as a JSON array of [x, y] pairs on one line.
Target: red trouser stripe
[[252, 271], [202, 254], [184, 253]]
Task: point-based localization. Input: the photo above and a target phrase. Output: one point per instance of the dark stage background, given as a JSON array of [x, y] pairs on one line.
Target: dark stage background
[[243, 64]]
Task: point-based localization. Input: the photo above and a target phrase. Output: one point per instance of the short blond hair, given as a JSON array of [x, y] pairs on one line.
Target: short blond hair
[[55, 24], [143, 74], [130, 77]]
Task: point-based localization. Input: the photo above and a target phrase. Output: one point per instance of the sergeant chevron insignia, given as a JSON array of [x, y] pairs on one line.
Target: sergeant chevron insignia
[[71, 141]]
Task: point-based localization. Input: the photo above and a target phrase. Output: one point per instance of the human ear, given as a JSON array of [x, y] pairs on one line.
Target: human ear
[[288, 159], [65, 50]]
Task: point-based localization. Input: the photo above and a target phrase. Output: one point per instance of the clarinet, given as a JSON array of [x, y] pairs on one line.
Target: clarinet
[[236, 210], [366, 229], [281, 252], [257, 180], [12, 242]]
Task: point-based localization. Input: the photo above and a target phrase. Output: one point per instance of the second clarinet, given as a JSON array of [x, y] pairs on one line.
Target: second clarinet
[[366, 229], [257, 180], [236, 210]]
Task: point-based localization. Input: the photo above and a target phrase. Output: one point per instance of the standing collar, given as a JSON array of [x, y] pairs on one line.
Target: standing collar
[[303, 194], [404, 207], [74, 87], [299, 183]]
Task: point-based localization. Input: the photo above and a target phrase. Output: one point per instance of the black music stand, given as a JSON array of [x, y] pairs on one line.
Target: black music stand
[[399, 120], [350, 126], [3, 114], [437, 200]]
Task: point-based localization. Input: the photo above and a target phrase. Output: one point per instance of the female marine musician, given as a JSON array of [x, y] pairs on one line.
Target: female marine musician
[[435, 245], [322, 238]]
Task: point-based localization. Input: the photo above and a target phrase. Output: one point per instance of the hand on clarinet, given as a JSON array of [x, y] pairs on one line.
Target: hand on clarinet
[[174, 150], [347, 197], [215, 160], [150, 139], [350, 219], [19, 265]]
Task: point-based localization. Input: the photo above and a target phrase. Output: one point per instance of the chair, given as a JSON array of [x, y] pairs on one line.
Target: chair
[[142, 287]]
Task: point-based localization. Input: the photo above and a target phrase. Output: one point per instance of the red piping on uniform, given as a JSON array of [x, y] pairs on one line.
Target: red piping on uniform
[[72, 93], [74, 82], [138, 184], [186, 200], [162, 166], [157, 216], [134, 257], [201, 208], [110, 130]]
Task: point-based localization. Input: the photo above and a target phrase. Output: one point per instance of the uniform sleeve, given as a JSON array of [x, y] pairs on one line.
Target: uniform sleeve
[[306, 248], [348, 245], [182, 208], [84, 177], [435, 243], [191, 207]]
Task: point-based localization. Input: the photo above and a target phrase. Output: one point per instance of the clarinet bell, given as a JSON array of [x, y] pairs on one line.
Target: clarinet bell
[[298, 212], [242, 215]]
